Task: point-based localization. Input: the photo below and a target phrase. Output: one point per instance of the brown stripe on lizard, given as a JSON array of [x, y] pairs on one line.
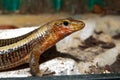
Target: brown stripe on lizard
[[33, 45]]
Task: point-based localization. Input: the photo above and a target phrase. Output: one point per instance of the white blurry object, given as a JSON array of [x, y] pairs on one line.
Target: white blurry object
[[88, 30], [106, 58], [10, 33]]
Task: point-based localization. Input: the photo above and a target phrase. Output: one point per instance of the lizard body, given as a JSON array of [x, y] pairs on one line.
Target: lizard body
[[29, 47]]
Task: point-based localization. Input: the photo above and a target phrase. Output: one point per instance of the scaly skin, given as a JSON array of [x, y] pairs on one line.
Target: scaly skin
[[29, 47]]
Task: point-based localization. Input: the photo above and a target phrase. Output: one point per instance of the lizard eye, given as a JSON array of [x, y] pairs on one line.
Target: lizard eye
[[66, 23]]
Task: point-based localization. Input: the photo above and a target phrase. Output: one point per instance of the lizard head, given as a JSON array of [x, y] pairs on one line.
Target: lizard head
[[63, 27], [59, 29]]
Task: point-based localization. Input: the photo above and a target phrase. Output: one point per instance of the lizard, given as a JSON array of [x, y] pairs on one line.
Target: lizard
[[29, 47]]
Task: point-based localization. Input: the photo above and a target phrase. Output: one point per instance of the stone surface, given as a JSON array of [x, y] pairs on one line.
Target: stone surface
[[106, 58], [105, 38], [57, 66]]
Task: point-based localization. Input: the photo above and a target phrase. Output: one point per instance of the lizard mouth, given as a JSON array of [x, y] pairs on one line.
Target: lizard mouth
[[78, 26]]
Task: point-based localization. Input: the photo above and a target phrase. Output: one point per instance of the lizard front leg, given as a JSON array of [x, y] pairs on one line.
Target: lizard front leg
[[34, 62]]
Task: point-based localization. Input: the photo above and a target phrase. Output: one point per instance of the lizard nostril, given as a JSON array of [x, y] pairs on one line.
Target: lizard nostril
[[82, 24]]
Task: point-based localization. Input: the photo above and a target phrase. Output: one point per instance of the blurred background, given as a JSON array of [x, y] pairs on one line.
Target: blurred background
[[53, 6], [33, 11], [97, 46]]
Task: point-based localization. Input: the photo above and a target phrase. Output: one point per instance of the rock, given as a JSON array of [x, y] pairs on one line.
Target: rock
[[10, 33], [67, 42], [105, 38], [84, 67], [88, 30], [60, 66], [97, 64], [57, 66], [15, 73], [118, 46], [108, 24], [106, 58]]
